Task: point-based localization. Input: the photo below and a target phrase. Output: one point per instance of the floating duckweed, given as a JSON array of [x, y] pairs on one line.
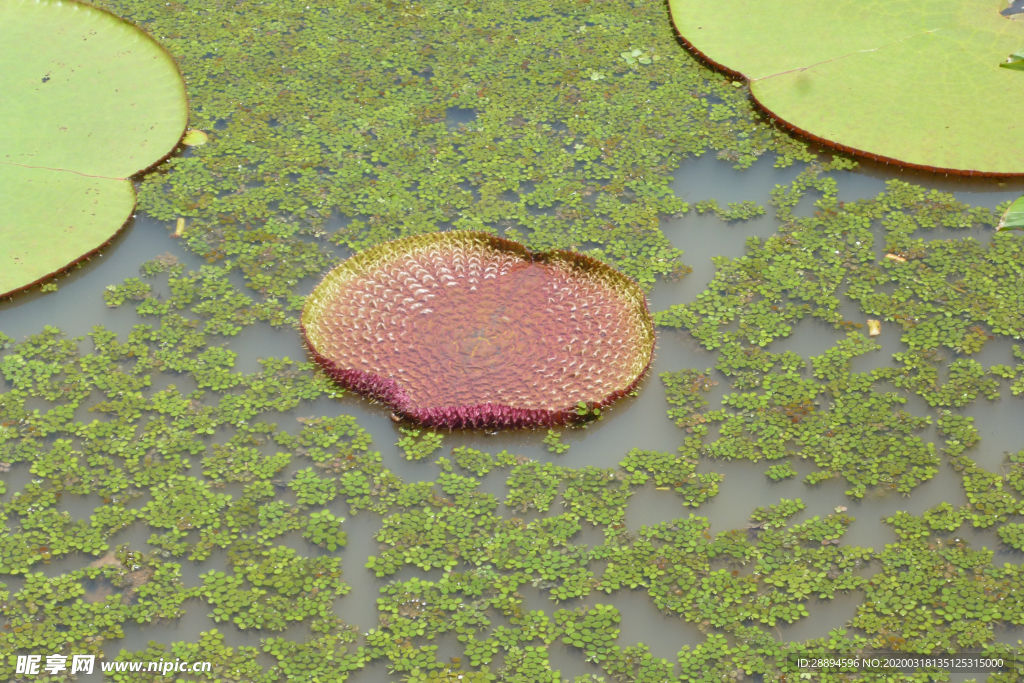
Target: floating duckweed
[[599, 495], [480, 463], [781, 471], [587, 411], [676, 472], [554, 443], [863, 437], [311, 489], [945, 517], [776, 515], [324, 529], [591, 629], [282, 587], [564, 152], [183, 503], [238, 663], [417, 447], [1012, 535], [558, 160], [737, 211], [936, 592], [990, 504], [966, 378], [240, 460], [533, 485]]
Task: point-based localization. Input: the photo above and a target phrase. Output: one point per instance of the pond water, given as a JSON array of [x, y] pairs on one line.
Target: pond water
[[636, 422]]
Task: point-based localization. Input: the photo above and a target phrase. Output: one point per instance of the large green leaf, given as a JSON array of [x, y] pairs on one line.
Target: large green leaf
[[1013, 218], [914, 81], [86, 100]]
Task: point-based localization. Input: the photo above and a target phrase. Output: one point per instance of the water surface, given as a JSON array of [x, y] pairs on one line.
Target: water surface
[[636, 422]]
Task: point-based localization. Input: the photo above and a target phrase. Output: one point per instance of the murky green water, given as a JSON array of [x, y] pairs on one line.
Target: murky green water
[[638, 422]]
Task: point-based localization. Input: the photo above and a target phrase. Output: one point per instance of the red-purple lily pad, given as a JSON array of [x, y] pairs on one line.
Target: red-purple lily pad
[[464, 329]]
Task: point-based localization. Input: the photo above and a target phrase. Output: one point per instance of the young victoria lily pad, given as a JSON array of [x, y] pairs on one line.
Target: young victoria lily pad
[[88, 100], [912, 81], [464, 329]]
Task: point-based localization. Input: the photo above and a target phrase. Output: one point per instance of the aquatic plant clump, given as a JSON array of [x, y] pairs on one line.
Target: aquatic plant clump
[[464, 329], [479, 558]]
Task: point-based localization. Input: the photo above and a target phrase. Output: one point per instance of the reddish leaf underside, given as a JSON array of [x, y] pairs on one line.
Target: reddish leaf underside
[[465, 329]]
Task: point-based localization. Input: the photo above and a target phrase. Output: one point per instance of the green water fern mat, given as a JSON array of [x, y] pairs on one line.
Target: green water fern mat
[[917, 82], [88, 100]]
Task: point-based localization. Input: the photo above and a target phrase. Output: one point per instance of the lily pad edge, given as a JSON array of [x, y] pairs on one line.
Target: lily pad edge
[[776, 119], [66, 269]]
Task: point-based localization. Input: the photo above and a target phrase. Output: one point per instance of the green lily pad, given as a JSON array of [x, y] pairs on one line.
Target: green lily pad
[[1013, 219], [195, 138], [1014, 61], [917, 82], [88, 100]]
